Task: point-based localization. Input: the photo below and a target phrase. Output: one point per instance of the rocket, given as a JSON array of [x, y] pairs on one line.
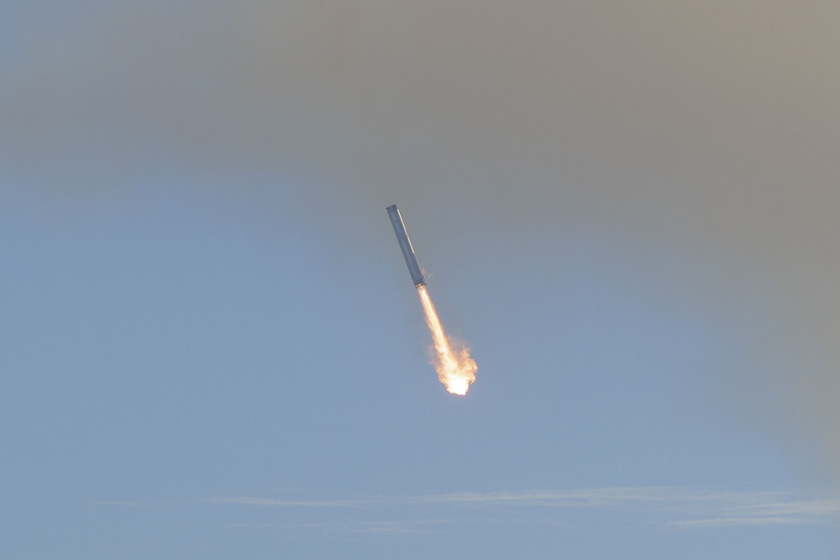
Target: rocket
[[405, 246]]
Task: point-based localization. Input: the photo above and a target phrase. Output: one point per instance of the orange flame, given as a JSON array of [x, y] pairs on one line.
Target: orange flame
[[455, 368]]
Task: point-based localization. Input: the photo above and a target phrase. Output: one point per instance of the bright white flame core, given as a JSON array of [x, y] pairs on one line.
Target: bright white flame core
[[456, 369]]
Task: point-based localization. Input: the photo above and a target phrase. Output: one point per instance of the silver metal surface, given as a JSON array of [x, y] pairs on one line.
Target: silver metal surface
[[405, 246]]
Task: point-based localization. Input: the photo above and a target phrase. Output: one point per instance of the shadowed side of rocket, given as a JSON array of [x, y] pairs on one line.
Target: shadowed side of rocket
[[405, 246]]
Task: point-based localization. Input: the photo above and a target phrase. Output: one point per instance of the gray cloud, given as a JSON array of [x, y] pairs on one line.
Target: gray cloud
[[705, 127]]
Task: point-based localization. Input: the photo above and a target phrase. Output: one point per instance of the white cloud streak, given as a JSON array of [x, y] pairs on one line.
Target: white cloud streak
[[671, 507]]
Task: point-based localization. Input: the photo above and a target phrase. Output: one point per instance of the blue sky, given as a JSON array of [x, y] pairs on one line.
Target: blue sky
[[187, 380], [211, 346]]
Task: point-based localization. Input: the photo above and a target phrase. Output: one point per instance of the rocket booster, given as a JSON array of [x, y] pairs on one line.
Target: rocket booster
[[405, 246]]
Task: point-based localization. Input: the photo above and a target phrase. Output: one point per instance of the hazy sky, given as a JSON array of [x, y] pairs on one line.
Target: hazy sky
[[211, 346]]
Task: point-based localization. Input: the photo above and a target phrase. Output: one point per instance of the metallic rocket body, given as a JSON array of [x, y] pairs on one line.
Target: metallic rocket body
[[405, 246]]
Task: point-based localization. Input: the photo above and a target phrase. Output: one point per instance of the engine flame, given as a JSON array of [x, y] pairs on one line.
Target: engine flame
[[455, 368]]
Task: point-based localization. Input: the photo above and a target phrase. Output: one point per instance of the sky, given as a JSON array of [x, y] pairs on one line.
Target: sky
[[211, 346]]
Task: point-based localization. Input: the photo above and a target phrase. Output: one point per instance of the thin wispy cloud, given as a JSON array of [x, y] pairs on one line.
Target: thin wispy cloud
[[252, 501], [736, 522], [360, 526], [670, 507]]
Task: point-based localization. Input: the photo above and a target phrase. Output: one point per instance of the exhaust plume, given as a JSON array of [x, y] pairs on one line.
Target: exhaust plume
[[455, 368]]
